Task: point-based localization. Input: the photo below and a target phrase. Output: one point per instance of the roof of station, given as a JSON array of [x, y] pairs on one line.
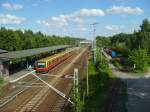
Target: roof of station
[[3, 51], [31, 52]]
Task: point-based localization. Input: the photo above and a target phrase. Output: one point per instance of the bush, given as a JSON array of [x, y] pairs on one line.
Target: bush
[[115, 63], [123, 49], [139, 57]]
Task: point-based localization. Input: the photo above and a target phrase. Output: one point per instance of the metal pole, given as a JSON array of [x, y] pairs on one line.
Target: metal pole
[[87, 79], [94, 41], [27, 64]]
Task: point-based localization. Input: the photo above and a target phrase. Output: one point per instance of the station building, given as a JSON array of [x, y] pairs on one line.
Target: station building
[[14, 61]]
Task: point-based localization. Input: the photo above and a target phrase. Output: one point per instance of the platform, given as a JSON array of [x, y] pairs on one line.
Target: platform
[[19, 75]]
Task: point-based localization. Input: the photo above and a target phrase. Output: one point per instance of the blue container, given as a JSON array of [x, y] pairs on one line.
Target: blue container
[[113, 53]]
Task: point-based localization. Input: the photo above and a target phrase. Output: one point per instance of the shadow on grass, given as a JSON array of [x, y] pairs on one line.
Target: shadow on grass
[[107, 94]]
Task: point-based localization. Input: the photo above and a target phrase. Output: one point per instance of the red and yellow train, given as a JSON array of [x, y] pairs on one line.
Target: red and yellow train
[[46, 64]]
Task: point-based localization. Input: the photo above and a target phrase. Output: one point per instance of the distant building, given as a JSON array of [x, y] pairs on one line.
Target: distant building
[[86, 42]]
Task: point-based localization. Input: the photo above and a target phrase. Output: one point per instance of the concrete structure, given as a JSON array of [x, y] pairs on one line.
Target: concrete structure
[[3, 51], [4, 67], [6, 58], [31, 52]]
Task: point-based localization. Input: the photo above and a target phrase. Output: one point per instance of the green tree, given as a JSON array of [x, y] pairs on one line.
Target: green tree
[[19, 40], [143, 36], [102, 41], [145, 25], [140, 58]]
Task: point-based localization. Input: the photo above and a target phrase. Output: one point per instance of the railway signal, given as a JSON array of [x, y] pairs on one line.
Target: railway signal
[[76, 82]]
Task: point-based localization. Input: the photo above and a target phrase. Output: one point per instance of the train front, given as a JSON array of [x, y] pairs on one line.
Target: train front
[[40, 67]]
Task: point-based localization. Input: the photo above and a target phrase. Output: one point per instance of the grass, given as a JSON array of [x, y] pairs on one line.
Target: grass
[[101, 84], [115, 63], [99, 87], [2, 82]]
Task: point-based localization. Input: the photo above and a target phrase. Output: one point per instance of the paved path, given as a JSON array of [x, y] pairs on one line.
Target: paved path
[[138, 90]]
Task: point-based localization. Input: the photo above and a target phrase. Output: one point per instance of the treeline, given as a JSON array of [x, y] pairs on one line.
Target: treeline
[[136, 40], [135, 46], [19, 40], [102, 41]]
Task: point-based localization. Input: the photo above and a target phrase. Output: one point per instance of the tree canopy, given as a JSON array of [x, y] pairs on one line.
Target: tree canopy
[[134, 46], [19, 40]]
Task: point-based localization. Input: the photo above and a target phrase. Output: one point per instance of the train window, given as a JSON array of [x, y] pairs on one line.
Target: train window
[[41, 65]]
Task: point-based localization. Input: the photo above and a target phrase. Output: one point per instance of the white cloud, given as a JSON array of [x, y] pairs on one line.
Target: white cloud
[[61, 20], [89, 12], [42, 22], [11, 6], [114, 28], [82, 29], [77, 17], [111, 27], [78, 20], [10, 19], [125, 10]]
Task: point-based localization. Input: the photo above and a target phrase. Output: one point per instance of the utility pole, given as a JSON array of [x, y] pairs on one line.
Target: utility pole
[[94, 41], [76, 98], [87, 77]]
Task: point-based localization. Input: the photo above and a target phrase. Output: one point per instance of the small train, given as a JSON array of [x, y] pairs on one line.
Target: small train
[[48, 63]]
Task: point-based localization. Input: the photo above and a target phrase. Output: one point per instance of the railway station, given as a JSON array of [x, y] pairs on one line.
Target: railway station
[[74, 56], [15, 61], [67, 64]]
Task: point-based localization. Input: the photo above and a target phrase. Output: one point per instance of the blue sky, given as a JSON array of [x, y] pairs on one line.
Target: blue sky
[[73, 17]]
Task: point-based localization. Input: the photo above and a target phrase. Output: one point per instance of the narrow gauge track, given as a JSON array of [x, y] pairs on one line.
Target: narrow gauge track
[[31, 99]]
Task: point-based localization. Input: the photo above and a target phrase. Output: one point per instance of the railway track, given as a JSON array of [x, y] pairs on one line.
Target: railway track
[[65, 85], [29, 80], [34, 99]]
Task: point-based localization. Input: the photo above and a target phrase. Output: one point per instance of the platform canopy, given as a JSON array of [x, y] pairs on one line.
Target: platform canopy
[[31, 52], [3, 51]]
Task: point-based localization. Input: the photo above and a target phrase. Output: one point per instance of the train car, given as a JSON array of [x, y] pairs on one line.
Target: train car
[[48, 63]]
